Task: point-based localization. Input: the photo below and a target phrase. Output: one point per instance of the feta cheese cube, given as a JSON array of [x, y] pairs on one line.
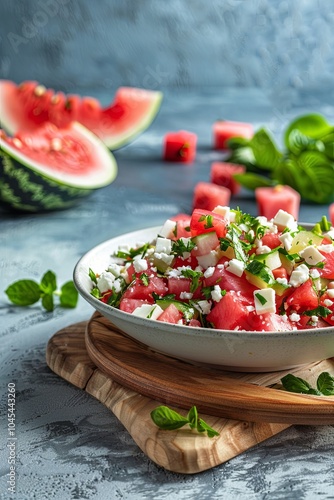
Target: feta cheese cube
[[163, 245], [236, 267], [283, 219], [150, 311], [311, 255], [165, 257], [299, 275], [208, 260], [140, 265], [216, 293], [209, 272], [330, 293], [167, 230], [326, 248], [223, 211], [204, 306], [294, 317], [105, 281], [286, 239], [186, 295], [264, 301]]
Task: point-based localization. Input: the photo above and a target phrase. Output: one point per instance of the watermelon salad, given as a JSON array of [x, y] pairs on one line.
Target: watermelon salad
[[226, 269]]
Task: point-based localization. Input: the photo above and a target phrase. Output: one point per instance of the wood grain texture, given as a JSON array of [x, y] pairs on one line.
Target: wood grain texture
[[213, 391], [182, 451]]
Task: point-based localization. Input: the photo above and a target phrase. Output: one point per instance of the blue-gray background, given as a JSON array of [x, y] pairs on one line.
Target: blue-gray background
[[98, 46]]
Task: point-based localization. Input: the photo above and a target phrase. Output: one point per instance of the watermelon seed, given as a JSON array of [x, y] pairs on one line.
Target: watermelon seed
[[17, 142], [56, 144], [39, 90]]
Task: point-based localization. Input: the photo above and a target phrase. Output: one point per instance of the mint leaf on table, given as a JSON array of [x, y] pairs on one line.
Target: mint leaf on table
[[27, 292], [325, 385], [24, 292], [68, 295], [306, 164], [168, 419]]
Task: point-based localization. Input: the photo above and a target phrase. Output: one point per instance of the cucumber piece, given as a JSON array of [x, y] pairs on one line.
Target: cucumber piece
[[205, 243], [270, 259], [259, 275]]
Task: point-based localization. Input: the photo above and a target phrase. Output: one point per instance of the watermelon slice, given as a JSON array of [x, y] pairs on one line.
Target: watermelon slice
[[27, 106], [52, 168]]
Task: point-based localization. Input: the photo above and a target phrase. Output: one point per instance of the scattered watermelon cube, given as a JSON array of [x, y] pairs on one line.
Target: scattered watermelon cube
[[224, 130], [272, 199], [222, 174], [180, 146], [208, 195], [331, 213]]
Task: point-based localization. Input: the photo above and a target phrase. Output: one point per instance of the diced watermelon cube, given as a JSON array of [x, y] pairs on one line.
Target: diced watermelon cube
[[271, 199], [205, 221], [207, 196], [141, 291], [230, 312], [179, 286], [129, 305], [225, 130], [170, 315], [182, 229], [303, 298], [180, 146], [222, 174]]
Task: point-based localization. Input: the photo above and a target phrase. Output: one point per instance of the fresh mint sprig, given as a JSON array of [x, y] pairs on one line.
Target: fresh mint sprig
[[27, 292], [168, 419], [325, 385], [306, 163]]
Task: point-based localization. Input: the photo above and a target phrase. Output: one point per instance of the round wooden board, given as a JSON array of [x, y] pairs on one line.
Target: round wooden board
[[224, 394]]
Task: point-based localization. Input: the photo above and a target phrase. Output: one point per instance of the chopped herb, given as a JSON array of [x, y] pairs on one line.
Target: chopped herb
[[150, 314], [261, 299], [145, 279], [194, 276], [208, 221], [318, 311], [179, 247], [92, 275]]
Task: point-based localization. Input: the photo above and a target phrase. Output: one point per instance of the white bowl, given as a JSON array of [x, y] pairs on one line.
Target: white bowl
[[231, 350]]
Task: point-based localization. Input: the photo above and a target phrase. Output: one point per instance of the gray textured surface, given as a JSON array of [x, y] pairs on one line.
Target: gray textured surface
[[69, 446], [153, 43]]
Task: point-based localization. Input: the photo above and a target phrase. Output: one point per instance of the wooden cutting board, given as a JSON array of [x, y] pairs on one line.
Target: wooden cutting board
[[131, 380]]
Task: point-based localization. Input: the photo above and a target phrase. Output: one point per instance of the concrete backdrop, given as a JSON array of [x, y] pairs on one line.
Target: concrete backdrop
[[102, 44]]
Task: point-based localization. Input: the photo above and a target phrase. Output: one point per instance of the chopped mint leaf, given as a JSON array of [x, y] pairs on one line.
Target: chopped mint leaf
[[261, 299], [145, 279]]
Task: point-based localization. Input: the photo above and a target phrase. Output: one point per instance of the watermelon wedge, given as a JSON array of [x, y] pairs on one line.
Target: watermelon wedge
[[27, 106], [52, 168]]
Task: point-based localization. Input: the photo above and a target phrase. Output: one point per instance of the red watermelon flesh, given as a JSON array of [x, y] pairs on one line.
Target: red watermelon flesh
[[27, 106]]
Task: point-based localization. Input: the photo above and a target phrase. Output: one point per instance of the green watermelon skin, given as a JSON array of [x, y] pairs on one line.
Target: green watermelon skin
[[23, 189]]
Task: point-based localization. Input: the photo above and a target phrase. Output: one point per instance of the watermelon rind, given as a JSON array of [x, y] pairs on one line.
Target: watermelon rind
[[113, 140], [27, 185], [118, 141]]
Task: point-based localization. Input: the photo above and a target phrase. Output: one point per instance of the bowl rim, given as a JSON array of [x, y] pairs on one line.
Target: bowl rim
[[188, 330]]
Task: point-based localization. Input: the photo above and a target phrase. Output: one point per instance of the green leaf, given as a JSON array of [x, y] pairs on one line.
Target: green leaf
[[299, 142], [253, 181], [312, 125], [24, 292], [168, 419], [243, 156], [292, 383], [311, 174], [266, 154], [49, 282], [68, 295], [92, 275], [193, 417], [328, 142], [325, 384], [237, 142], [47, 302], [204, 427]]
